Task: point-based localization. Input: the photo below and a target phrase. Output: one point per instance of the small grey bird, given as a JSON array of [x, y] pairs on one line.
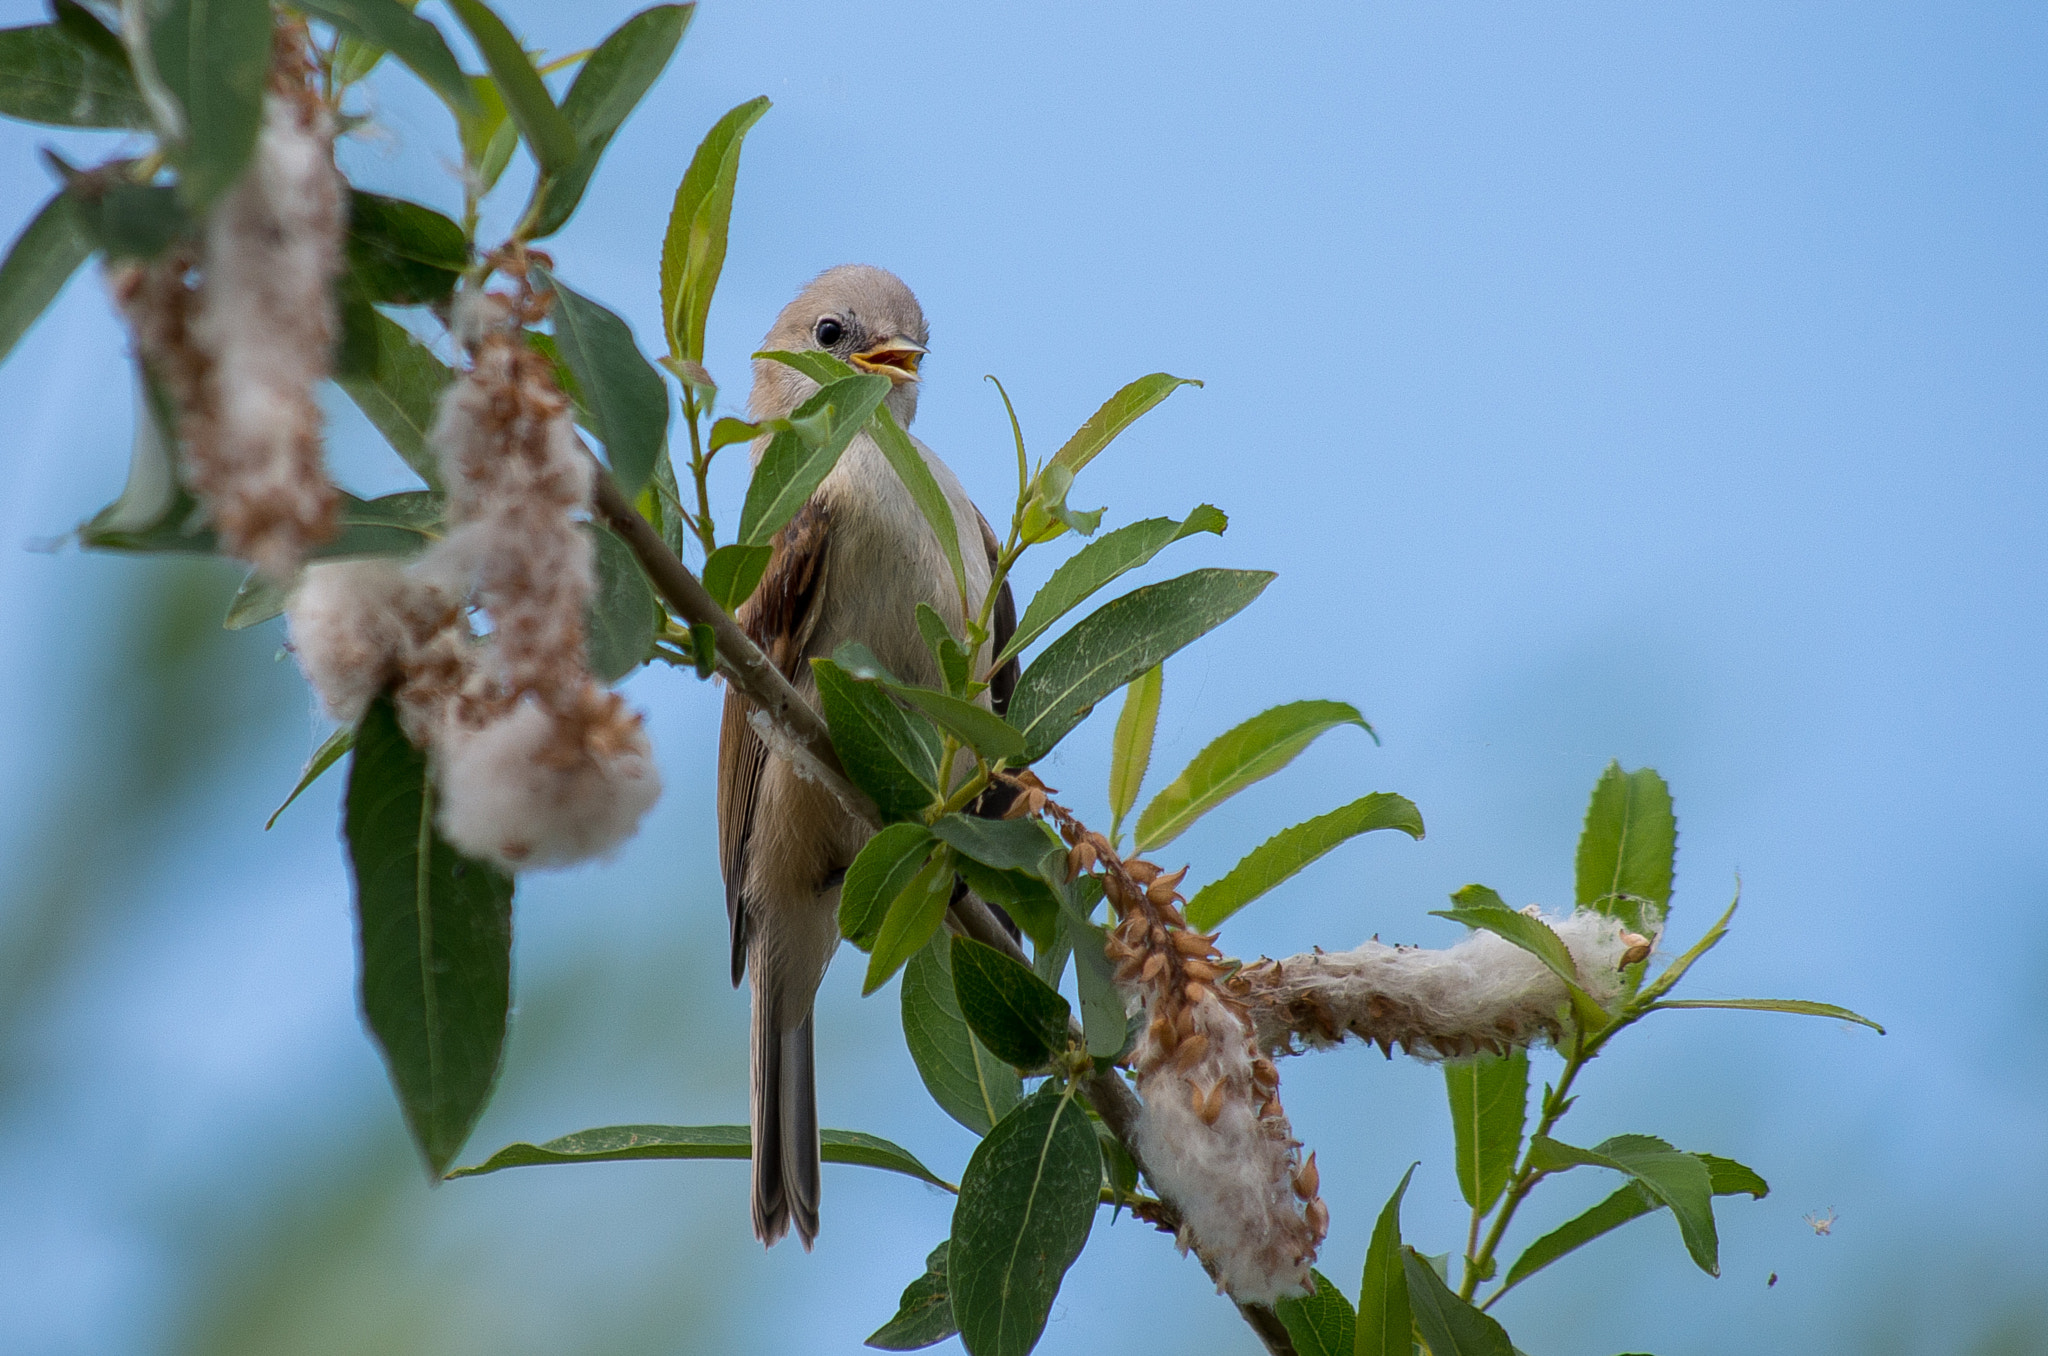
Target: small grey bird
[[852, 565]]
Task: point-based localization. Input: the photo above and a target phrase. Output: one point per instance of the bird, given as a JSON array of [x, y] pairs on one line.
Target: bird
[[851, 565]]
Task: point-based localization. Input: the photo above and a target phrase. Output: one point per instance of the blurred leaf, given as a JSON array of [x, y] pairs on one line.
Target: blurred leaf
[[693, 249], [1117, 642], [886, 864], [1632, 1201], [1448, 1325], [435, 930], [488, 136], [1013, 1012], [1099, 562], [402, 253], [402, 396], [120, 216], [257, 600], [622, 1143], [969, 1084], [49, 73], [1797, 1006], [1678, 1180], [1104, 1022], [733, 572], [625, 395], [1252, 751], [546, 131], [924, 1315], [214, 58], [1130, 749], [39, 262], [326, 756], [1027, 1201], [917, 478], [1118, 413], [1009, 844], [1385, 1322], [1627, 848], [728, 431], [1489, 1105], [889, 753], [1479, 907], [621, 621], [794, 465], [1291, 849], [913, 916], [392, 27], [611, 84], [154, 512], [1322, 1324]]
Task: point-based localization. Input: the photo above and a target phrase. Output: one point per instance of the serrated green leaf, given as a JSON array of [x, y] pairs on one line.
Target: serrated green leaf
[[1479, 907], [626, 1143], [911, 919], [49, 75], [39, 262], [611, 84], [1027, 1202], [890, 753], [733, 572], [1130, 748], [1100, 562], [625, 396], [214, 58], [887, 863], [622, 617], [435, 930], [1288, 851], [389, 26], [1489, 1097], [795, 465], [546, 131], [1448, 1325], [402, 395], [326, 756], [1235, 759], [403, 253], [1678, 1180], [693, 248], [924, 1315], [1627, 849], [1013, 1012], [1118, 413], [1117, 642], [1799, 1007], [1321, 1324], [970, 1084], [1385, 1318]]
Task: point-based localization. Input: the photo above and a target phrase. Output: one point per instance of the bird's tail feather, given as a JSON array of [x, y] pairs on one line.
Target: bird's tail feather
[[785, 1130]]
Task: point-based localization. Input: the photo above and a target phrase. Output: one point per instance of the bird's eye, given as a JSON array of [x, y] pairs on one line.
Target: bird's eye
[[829, 332]]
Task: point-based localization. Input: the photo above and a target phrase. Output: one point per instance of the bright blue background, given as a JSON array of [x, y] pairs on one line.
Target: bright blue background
[[1643, 381]]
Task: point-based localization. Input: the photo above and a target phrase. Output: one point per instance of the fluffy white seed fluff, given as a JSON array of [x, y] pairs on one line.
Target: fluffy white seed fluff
[[346, 623]]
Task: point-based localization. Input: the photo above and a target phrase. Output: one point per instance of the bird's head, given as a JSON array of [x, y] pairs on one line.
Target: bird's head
[[861, 315]]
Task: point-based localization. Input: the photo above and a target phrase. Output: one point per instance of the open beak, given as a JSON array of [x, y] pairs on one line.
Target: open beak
[[895, 359]]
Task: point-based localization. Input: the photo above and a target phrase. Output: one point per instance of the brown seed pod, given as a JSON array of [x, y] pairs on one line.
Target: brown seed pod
[[1318, 1217], [1196, 968], [1634, 955], [1193, 944], [1192, 1051], [1163, 1034], [1264, 1074], [1185, 1023], [1079, 858], [1208, 1105], [1308, 1180], [1197, 993], [1141, 871]]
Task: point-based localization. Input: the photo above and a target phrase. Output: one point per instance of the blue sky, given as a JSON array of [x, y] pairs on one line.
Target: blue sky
[[1643, 381]]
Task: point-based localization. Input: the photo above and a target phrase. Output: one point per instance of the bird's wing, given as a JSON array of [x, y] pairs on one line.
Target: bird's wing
[[779, 618], [1004, 681]]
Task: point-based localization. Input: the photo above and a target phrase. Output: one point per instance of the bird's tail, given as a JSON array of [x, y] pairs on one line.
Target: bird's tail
[[785, 1124]]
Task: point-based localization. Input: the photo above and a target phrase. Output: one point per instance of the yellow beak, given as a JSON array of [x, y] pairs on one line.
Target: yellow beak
[[895, 359]]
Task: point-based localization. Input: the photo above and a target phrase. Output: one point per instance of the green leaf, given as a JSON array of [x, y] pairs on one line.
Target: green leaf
[[1100, 562], [969, 1084], [1627, 848], [693, 249], [1678, 1180], [611, 84], [816, 364], [402, 253], [214, 58], [49, 75], [888, 752], [488, 136], [1117, 642], [1797, 1006], [1013, 1012], [154, 511], [39, 262], [886, 864], [1632, 1201], [917, 478], [1322, 1324], [1008, 844], [625, 1143], [924, 1315], [257, 600], [1130, 748], [392, 27], [729, 430], [1489, 1105], [1118, 413], [326, 756], [546, 131], [1291, 849], [1479, 907], [1385, 1322], [402, 396], [621, 621], [1252, 751], [913, 916], [975, 726], [1675, 971], [733, 572], [122, 218], [1105, 1025], [1027, 1201], [794, 465], [435, 935], [1030, 900], [955, 668], [625, 395], [1448, 1325]]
